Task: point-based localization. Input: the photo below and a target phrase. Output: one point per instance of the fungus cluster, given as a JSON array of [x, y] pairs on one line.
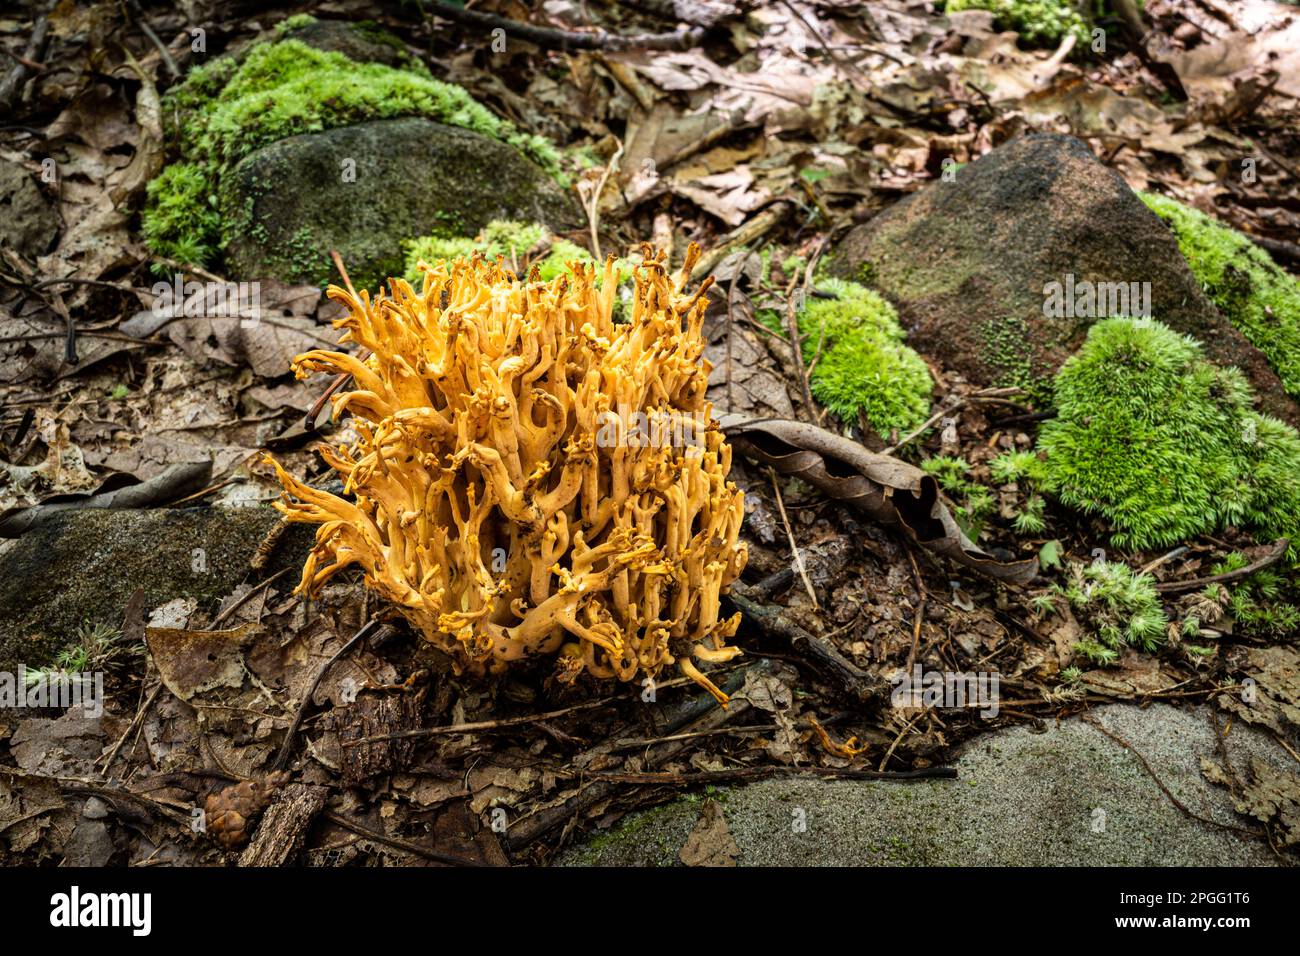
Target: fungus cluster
[[532, 479]]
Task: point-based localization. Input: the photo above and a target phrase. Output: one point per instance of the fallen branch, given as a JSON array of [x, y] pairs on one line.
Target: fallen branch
[[858, 684], [570, 39]]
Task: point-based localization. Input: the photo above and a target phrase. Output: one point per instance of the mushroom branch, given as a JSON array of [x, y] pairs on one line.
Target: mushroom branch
[[532, 479]]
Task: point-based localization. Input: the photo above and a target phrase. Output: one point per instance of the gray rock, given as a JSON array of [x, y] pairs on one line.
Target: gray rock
[[82, 567], [95, 809], [966, 263], [413, 177], [28, 223], [363, 42], [1068, 796], [90, 845]]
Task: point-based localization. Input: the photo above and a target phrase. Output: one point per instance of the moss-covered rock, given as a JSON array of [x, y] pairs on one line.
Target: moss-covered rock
[[863, 363], [80, 568], [1256, 295], [286, 205], [364, 42], [969, 265], [1164, 444], [226, 113]]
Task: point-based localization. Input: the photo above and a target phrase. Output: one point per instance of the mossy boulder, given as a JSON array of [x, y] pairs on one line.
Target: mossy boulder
[[226, 114], [362, 42], [288, 203], [1164, 444], [80, 568], [1259, 297], [971, 265]]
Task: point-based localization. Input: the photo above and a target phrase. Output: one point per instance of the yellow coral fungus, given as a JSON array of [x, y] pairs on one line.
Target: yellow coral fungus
[[532, 479]]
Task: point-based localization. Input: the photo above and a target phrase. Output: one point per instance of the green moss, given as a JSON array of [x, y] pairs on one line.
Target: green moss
[[972, 502], [1009, 353], [500, 238], [1116, 608], [863, 363], [1164, 444], [230, 108], [1037, 21], [1255, 294], [181, 221], [295, 22]]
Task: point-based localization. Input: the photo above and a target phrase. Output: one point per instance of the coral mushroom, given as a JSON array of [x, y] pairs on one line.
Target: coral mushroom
[[531, 478]]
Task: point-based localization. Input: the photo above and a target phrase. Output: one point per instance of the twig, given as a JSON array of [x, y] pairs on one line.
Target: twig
[[993, 396], [282, 758], [481, 725], [593, 209], [570, 39], [794, 547], [436, 855], [1271, 556], [859, 685], [246, 597], [37, 43], [892, 747], [138, 15], [919, 614], [748, 232]]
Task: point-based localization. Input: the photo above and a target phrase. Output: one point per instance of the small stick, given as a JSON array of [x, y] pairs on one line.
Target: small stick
[[569, 39], [246, 597], [286, 748], [794, 547], [397, 843], [1274, 554]]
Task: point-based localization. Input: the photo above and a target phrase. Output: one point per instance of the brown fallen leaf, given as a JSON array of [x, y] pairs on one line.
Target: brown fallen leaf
[[711, 842], [891, 491], [192, 662]]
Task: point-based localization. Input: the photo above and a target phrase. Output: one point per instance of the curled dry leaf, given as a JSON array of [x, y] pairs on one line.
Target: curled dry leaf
[[891, 491]]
